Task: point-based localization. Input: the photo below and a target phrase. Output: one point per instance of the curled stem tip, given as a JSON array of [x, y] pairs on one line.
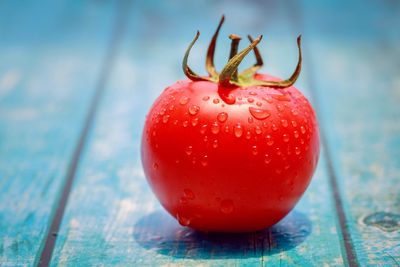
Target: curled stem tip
[[234, 62], [249, 72], [234, 49], [293, 77], [210, 67], [186, 69]]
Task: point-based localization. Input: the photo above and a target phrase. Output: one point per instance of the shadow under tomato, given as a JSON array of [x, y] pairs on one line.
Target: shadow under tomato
[[159, 232]]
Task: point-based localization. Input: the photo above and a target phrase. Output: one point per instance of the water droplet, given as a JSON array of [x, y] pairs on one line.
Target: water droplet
[[284, 123], [227, 128], [268, 99], [215, 128], [296, 134], [259, 104], [184, 221], [226, 206], [189, 150], [279, 107], [203, 129], [248, 135], [184, 100], [230, 99], [259, 113], [177, 161], [294, 112], [171, 107], [195, 121], [250, 100], [278, 151], [287, 166], [204, 161], [183, 200], [302, 141], [194, 160], [222, 117], [274, 127], [185, 123], [270, 142], [252, 93], [155, 166], [294, 123], [267, 159], [297, 150], [238, 130], [285, 138], [205, 138], [162, 111], [188, 193], [215, 100], [258, 130], [254, 150], [215, 144], [165, 118], [281, 97], [278, 171], [302, 129], [175, 122], [206, 98], [154, 133], [250, 120], [193, 110]]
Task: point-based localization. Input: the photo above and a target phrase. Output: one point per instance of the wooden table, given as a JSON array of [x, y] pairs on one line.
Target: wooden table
[[77, 78]]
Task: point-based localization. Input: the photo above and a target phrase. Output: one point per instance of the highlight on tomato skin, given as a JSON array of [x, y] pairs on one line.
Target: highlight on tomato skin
[[230, 151]]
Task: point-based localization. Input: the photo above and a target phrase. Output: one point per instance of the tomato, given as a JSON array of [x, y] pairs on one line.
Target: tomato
[[230, 155]]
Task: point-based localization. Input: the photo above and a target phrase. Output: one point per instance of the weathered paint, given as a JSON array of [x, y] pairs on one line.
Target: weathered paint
[[51, 53]]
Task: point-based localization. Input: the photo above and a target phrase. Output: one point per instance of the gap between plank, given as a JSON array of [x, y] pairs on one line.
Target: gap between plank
[[349, 251], [107, 65]]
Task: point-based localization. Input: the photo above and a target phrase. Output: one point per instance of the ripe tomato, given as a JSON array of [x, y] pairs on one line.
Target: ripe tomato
[[230, 155]]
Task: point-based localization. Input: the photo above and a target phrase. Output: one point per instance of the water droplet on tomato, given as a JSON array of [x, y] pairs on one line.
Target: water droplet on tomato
[[284, 123], [250, 120], [294, 112], [294, 123], [268, 99], [155, 166], [171, 107], [204, 161], [203, 129], [259, 113], [162, 111], [250, 100], [297, 150], [184, 100], [165, 118], [285, 138], [175, 122], [222, 117], [248, 135], [206, 98], [238, 130], [258, 130], [184, 221], [205, 138], [278, 171], [183, 200], [215, 128], [252, 93], [189, 150], [227, 128], [281, 97], [259, 104], [296, 134], [226, 206], [185, 123], [188, 193], [193, 110], [270, 142], [278, 151], [302, 129], [195, 121], [279, 107], [230, 99], [254, 150], [215, 144], [215, 100], [274, 127], [267, 159]]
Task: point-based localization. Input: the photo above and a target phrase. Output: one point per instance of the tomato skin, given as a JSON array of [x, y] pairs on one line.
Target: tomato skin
[[214, 175]]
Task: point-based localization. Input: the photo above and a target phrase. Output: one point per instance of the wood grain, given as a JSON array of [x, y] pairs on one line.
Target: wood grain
[[51, 54]]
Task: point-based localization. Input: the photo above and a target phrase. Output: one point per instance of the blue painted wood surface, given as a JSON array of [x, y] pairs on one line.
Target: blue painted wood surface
[[50, 69]]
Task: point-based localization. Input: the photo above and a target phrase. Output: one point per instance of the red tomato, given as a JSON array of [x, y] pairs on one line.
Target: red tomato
[[229, 158]]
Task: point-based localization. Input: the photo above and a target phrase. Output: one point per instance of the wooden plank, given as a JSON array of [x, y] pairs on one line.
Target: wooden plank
[[51, 54], [114, 219], [354, 61]]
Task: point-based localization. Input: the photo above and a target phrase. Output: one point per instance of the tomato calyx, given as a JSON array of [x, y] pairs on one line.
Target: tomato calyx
[[229, 75]]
